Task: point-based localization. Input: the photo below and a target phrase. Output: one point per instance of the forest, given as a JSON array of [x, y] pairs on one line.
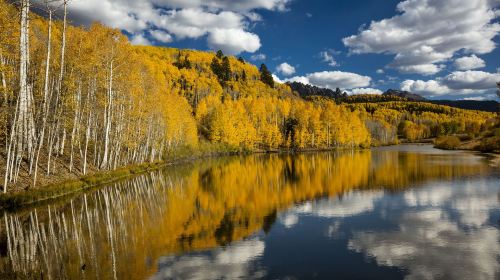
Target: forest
[[76, 100]]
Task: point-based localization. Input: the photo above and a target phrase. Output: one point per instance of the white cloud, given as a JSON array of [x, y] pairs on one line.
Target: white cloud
[[277, 79], [429, 32], [469, 62], [140, 40], [423, 69], [194, 23], [333, 79], [380, 71], [309, 15], [476, 80], [475, 98], [161, 36], [238, 6], [258, 56], [180, 18], [459, 82], [285, 69], [233, 41], [299, 79], [365, 91], [328, 58], [428, 88]]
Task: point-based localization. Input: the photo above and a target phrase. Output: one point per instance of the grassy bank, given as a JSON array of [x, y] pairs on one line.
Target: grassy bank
[[53, 191]]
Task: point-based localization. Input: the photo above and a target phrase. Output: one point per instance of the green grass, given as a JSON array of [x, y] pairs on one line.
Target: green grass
[[11, 201], [53, 191]]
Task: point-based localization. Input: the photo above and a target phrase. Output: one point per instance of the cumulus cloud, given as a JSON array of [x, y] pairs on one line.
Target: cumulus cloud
[[380, 71], [428, 32], [180, 19], [430, 87], [423, 69], [469, 62], [476, 80], [333, 79], [365, 91], [458, 82], [285, 69], [277, 79], [140, 40], [258, 56], [161, 36], [299, 79], [233, 41], [328, 58]]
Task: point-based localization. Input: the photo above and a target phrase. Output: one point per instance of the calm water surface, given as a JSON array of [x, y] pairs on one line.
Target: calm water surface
[[402, 212]]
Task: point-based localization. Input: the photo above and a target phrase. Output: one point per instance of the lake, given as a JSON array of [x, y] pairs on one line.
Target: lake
[[399, 212]]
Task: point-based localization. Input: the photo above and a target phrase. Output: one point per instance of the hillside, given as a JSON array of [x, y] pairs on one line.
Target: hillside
[[404, 94]]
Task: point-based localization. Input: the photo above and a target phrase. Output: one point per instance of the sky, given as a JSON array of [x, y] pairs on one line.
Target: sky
[[441, 49]]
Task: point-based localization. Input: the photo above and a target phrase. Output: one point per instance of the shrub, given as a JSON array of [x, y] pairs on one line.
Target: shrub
[[447, 142], [489, 144]]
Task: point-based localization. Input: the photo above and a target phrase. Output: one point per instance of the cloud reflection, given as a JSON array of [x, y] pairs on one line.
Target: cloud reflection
[[443, 234], [351, 204], [232, 262]]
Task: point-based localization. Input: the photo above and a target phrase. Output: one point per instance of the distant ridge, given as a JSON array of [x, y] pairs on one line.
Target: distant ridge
[[404, 94], [306, 91], [486, 105], [481, 105]]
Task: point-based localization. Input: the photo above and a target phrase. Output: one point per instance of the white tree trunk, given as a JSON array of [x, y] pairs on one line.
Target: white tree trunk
[[23, 127]]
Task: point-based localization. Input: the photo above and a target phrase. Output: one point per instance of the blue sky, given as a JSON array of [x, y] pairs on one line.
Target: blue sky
[[442, 49]]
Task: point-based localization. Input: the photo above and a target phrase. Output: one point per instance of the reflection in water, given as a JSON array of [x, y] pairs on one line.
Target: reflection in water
[[232, 262], [432, 241], [217, 218]]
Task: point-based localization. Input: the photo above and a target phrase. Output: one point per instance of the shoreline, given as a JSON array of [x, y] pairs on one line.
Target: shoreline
[[52, 192]]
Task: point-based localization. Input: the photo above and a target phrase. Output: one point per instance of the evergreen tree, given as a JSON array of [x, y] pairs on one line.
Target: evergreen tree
[[240, 59], [216, 67], [225, 69], [219, 54], [186, 63], [265, 76]]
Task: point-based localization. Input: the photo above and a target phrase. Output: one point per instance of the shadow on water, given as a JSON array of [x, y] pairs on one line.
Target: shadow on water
[[121, 231]]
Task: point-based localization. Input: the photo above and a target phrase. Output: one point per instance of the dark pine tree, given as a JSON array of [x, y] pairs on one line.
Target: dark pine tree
[[265, 76], [216, 67], [244, 75], [219, 54], [225, 69]]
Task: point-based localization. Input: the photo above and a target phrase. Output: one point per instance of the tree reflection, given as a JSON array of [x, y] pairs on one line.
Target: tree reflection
[[117, 231]]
